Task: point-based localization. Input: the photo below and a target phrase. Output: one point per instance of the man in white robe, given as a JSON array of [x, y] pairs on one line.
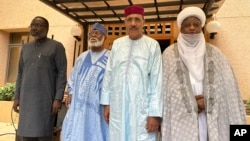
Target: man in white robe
[[132, 83], [201, 94], [84, 120]]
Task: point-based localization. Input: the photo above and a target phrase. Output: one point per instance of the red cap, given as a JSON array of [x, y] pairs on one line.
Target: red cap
[[134, 9]]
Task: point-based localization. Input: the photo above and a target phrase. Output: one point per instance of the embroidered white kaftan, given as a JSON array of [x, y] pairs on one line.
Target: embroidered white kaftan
[[132, 88]]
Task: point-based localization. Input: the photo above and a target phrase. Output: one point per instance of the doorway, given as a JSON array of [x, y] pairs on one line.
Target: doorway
[[164, 44]]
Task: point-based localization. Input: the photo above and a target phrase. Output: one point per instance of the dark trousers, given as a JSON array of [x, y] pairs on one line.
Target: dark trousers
[[37, 138]]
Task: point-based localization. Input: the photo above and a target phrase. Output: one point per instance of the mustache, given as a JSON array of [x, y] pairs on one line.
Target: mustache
[[133, 28], [33, 30], [93, 38]]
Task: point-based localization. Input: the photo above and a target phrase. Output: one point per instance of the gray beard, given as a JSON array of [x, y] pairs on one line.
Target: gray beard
[[96, 44]]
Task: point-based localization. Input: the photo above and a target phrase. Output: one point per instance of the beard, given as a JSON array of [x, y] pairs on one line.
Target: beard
[[96, 44], [39, 35]]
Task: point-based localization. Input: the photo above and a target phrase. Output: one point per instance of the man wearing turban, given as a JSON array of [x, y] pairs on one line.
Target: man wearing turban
[[132, 83], [84, 120], [201, 95]]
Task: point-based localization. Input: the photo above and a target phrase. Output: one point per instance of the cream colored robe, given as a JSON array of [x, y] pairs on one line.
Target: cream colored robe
[[223, 101]]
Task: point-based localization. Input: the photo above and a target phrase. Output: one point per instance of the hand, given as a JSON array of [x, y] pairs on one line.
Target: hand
[[16, 105], [200, 103], [56, 107], [106, 113], [152, 124], [68, 101]]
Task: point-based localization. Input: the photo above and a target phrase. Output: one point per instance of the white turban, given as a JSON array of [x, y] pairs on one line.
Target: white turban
[[189, 12]]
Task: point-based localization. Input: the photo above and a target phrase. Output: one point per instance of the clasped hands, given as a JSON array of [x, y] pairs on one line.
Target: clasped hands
[[200, 103]]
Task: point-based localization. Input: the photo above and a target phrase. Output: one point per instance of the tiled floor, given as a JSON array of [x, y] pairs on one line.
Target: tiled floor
[[7, 132]]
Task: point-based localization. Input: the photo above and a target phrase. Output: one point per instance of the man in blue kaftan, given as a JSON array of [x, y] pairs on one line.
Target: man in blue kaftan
[[132, 83], [84, 120]]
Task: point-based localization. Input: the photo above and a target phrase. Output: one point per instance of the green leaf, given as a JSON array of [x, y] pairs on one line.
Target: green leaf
[[7, 91]]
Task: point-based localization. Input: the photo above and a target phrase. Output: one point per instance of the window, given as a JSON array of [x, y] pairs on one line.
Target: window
[[16, 42]]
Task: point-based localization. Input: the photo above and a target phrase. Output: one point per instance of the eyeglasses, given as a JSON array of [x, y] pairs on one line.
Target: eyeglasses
[[96, 32], [37, 25]]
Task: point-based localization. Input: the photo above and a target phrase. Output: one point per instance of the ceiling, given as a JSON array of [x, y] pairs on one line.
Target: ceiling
[[112, 11]]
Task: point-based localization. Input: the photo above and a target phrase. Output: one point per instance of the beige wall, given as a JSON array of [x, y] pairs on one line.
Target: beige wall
[[233, 39], [17, 15], [4, 40], [7, 114]]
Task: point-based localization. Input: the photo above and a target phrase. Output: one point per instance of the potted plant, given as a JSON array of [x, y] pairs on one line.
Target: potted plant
[[6, 101], [7, 92]]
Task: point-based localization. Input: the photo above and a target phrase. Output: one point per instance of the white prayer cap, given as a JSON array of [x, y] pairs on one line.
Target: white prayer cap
[[189, 12]]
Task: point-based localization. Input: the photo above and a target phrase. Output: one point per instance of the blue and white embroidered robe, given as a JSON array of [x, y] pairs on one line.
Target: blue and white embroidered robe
[[84, 120]]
